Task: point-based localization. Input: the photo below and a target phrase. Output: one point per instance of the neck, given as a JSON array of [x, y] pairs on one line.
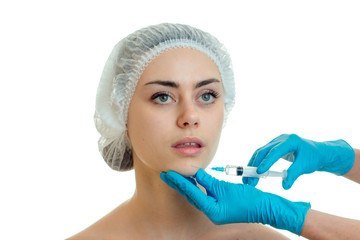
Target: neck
[[162, 209]]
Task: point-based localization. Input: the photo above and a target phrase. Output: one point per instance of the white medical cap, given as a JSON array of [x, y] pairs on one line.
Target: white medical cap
[[125, 66]]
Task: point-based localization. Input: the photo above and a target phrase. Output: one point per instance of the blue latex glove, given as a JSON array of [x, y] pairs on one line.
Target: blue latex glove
[[238, 203], [307, 156]]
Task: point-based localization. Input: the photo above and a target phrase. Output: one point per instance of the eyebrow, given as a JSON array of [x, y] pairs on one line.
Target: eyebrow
[[176, 85]]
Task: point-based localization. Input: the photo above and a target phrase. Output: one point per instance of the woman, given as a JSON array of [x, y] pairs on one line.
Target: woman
[[163, 98]]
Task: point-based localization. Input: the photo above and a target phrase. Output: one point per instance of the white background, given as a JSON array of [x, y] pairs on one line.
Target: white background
[[296, 65]]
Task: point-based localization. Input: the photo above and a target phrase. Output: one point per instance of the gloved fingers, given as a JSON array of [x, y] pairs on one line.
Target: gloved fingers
[[250, 181], [294, 171], [274, 155], [270, 151], [190, 179], [163, 176], [255, 160], [207, 181], [171, 184], [193, 194], [264, 151], [260, 153], [289, 157]]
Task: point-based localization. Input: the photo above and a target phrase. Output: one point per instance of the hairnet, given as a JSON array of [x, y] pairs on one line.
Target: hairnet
[[125, 66]]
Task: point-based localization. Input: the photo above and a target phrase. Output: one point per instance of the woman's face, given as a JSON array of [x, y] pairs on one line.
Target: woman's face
[[176, 113]]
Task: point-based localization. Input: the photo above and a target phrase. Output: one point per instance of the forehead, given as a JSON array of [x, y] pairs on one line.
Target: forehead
[[181, 64]]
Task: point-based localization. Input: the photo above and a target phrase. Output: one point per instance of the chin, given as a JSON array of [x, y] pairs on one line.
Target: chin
[[186, 170]]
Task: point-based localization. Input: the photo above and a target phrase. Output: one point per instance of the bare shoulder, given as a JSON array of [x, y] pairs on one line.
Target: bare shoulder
[[121, 224], [115, 225], [244, 231]]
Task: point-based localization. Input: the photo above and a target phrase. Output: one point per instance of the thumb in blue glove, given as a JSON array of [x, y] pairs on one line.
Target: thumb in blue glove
[[237, 203]]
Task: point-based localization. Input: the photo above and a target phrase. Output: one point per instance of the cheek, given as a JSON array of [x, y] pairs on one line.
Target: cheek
[[216, 123], [154, 129], [146, 130], [217, 118]]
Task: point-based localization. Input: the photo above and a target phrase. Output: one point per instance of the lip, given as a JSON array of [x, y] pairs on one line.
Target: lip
[[181, 147]]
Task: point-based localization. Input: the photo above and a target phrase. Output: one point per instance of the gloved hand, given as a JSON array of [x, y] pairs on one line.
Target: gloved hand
[[237, 203], [307, 156]]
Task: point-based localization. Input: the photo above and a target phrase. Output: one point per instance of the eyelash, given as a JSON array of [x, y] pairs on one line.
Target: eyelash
[[213, 93]]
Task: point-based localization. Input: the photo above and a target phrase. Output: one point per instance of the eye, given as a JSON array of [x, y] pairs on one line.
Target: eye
[[162, 98], [208, 97]]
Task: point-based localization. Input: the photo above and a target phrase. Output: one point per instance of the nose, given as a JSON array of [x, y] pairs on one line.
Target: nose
[[188, 116]]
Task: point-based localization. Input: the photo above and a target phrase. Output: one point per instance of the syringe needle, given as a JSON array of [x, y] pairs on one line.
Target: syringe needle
[[219, 169]]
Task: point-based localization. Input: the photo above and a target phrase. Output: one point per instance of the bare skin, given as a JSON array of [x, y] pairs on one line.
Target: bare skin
[[319, 225], [157, 211], [354, 173]]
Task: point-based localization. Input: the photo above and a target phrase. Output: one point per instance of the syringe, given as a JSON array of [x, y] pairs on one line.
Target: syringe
[[248, 172]]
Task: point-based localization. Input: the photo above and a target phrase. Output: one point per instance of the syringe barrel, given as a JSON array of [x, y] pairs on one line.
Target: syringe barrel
[[282, 174], [243, 171], [233, 170], [251, 172]]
